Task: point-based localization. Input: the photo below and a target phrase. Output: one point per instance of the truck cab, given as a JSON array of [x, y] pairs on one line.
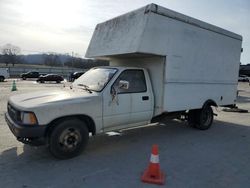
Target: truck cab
[[126, 95], [101, 100]]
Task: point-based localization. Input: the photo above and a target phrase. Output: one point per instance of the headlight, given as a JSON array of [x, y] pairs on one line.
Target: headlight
[[28, 118]]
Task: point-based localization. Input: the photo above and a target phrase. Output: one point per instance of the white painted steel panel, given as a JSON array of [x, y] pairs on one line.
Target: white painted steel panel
[[155, 66], [185, 96], [126, 109], [126, 34], [118, 36]]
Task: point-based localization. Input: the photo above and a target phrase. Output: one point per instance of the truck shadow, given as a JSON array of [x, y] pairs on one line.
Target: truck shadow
[[171, 130], [23, 152]]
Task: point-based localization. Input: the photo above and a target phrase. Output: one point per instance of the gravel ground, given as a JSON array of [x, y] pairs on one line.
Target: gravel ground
[[218, 157]]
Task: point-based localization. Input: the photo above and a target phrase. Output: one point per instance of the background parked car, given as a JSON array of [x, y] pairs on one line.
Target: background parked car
[[76, 75], [243, 78], [4, 73], [30, 74], [50, 77]]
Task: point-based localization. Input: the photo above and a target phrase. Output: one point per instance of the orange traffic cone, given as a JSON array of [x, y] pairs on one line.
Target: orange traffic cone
[[153, 174]]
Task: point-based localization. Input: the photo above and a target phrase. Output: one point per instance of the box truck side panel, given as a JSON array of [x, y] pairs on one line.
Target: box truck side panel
[[194, 54], [201, 64], [155, 66], [181, 96]]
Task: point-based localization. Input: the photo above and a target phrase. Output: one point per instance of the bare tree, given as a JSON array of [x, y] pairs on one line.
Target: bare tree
[[52, 59], [10, 53]]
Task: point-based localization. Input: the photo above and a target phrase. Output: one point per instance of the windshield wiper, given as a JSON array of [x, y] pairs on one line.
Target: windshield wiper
[[85, 87]]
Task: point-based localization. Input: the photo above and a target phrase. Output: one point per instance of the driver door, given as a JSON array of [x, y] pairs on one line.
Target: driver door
[[123, 107]]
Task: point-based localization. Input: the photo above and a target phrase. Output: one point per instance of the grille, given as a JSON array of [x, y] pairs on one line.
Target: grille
[[14, 114]]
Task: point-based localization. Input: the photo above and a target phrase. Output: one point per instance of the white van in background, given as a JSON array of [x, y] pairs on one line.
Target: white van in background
[[4, 73]]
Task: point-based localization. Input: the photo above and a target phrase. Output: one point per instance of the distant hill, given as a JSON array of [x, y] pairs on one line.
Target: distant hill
[[54, 60], [39, 58]]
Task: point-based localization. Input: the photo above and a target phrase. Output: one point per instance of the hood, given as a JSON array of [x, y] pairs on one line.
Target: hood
[[43, 98]]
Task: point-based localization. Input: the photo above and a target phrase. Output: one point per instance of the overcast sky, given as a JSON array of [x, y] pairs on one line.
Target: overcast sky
[[66, 26]]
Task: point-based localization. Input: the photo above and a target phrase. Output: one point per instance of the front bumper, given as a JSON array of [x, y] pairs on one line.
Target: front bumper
[[24, 131]]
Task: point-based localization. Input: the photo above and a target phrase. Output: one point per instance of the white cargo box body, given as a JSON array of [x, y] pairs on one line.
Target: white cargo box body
[[189, 61]]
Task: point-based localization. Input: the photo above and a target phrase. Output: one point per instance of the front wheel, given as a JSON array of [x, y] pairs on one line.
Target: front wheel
[[68, 138]]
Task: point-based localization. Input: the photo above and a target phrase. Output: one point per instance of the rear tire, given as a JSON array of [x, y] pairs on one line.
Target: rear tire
[[68, 138], [201, 119], [206, 117]]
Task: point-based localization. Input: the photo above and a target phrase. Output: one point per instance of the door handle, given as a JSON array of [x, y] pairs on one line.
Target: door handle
[[145, 98]]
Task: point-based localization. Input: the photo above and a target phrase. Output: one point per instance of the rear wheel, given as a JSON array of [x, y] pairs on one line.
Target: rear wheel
[[201, 119], [206, 117], [68, 138]]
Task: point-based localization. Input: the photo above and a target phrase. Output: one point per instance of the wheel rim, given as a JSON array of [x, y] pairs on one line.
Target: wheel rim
[[206, 117], [70, 139]]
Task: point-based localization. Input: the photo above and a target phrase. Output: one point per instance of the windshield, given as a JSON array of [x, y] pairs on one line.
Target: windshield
[[95, 79]]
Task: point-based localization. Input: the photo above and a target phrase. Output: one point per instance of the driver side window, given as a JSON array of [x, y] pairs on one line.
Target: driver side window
[[136, 79]]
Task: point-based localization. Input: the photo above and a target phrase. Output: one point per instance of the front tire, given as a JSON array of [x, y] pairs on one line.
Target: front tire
[[68, 138]]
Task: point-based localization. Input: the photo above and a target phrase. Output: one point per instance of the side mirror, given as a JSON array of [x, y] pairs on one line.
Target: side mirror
[[123, 84]]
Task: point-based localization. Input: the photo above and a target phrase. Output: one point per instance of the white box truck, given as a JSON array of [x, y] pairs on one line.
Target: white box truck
[[4, 73], [162, 63]]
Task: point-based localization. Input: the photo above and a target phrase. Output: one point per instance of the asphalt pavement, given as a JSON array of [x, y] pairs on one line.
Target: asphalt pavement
[[190, 158]]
